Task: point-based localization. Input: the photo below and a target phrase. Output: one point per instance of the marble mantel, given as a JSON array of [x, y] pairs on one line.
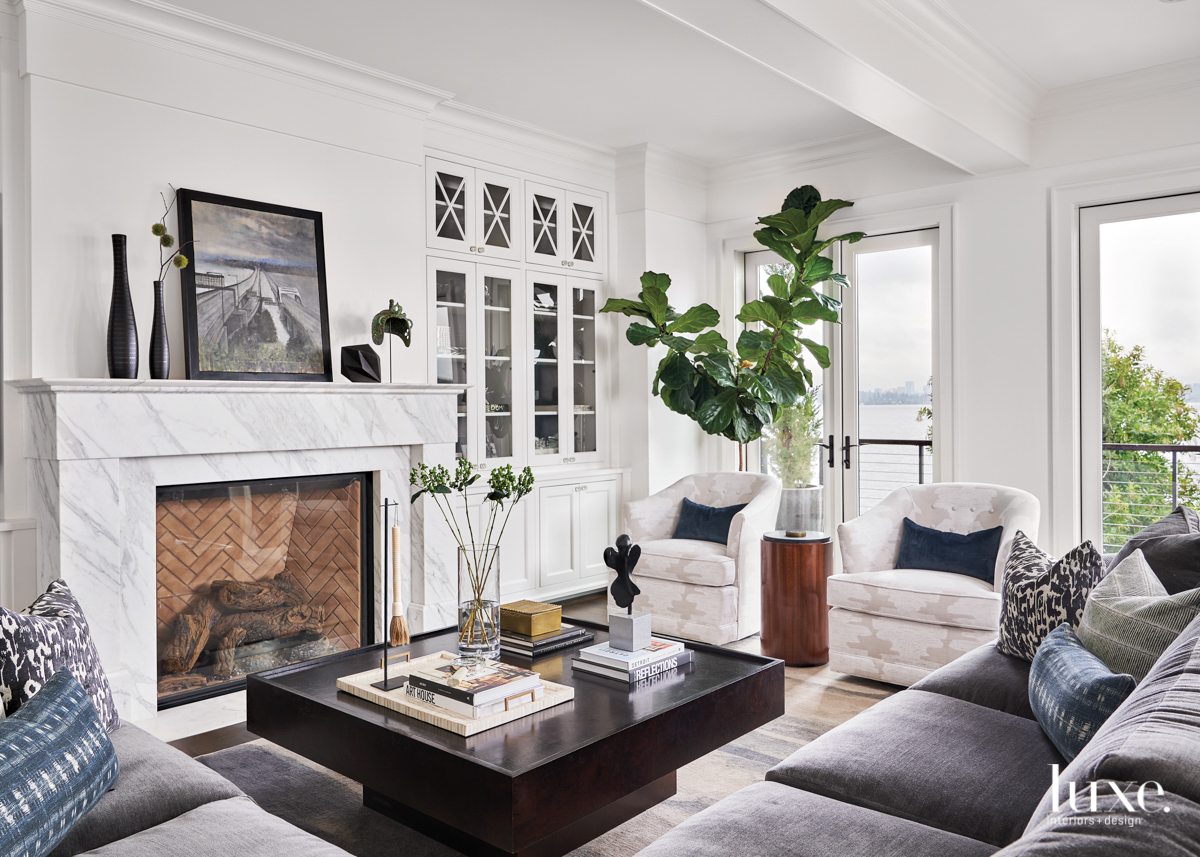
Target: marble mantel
[[98, 448]]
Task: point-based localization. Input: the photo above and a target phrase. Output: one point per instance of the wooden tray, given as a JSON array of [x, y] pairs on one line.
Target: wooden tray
[[397, 700]]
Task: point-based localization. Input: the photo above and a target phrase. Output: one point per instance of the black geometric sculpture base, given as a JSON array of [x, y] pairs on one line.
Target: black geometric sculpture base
[[360, 364]]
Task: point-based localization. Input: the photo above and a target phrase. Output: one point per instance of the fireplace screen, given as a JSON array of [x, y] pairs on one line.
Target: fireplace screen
[[254, 575]]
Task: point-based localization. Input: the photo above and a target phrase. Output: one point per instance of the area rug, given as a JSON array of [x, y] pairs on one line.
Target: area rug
[[330, 806]]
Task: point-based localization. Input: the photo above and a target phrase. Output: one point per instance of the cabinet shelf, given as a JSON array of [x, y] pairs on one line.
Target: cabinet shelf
[[585, 362], [450, 304], [452, 357], [498, 414], [545, 360], [497, 309], [498, 358], [548, 312], [585, 317]]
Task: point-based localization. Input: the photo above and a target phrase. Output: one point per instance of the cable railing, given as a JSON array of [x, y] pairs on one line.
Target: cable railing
[[891, 464], [1142, 482]]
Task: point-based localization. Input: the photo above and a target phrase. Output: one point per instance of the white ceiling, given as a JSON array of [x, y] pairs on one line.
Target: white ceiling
[[722, 80], [609, 72], [1063, 42]]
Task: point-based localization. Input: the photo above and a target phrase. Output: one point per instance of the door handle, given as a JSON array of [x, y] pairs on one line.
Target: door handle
[[829, 446], [846, 452]]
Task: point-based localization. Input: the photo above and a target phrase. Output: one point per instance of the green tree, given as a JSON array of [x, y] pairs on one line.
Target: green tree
[[1142, 405], [788, 443]]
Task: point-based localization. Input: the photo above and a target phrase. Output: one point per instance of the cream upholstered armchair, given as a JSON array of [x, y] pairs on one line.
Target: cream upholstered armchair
[[695, 589], [898, 624]]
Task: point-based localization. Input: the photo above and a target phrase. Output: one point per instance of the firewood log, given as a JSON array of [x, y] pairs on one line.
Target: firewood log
[[192, 631], [272, 624], [238, 596], [178, 683], [223, 659]]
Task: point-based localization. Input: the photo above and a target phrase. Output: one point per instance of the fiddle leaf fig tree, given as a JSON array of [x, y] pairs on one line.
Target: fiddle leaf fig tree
[[736, 392]]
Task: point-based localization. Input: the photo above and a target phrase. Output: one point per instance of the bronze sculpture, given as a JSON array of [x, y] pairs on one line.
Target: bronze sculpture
[[622, 560]]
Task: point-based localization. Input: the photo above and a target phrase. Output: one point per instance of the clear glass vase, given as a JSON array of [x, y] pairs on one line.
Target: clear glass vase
[[478, 604]]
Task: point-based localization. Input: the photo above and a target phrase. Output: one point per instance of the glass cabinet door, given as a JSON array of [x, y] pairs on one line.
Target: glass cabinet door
[[449, 205], [544, 301], [452, 286], [498, 432], [545, 225], [583, 344], [498, 214], [584, 247]]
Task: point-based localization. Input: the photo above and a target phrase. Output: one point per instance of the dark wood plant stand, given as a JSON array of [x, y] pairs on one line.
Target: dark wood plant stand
[[795, 613], [542, 785]]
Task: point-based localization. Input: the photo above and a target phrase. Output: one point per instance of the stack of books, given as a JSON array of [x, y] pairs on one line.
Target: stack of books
[[533, 646], [474, 691], [659, 657]]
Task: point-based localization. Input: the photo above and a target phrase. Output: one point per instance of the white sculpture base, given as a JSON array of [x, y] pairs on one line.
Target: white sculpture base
[[629, 631]]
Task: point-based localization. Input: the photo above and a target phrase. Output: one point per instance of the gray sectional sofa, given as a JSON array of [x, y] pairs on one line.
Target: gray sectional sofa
[[957, 766], [166, 804]]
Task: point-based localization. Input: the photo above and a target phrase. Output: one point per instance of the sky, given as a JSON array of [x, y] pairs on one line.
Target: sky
[[1150, 290], [225, 232], [895, 317]]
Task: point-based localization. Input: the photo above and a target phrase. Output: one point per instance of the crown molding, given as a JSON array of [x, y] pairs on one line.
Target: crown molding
[[463, 120], [943, 32], [808, 156], [1144, 84], [183, 31], [663, 161]]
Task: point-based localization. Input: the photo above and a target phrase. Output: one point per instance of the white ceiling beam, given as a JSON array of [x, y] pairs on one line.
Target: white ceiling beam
[[903, 65]]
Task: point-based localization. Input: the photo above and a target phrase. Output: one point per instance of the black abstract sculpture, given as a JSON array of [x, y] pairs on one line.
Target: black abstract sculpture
[[360, 364], [622, 560]]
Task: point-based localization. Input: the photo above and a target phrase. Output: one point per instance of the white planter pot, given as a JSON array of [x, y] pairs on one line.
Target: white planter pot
[[801, 509]]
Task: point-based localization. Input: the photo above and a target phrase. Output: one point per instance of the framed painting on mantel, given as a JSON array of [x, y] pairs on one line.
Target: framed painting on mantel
[[254, 302]]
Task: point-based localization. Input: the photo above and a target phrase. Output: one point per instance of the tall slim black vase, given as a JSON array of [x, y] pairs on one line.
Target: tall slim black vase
[[160, 350], [122, 326]]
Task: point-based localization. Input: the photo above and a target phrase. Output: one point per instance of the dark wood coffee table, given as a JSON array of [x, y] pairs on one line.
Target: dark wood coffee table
[[541, 785]]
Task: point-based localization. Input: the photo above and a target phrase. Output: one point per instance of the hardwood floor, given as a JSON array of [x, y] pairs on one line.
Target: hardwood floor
[[592, 607]]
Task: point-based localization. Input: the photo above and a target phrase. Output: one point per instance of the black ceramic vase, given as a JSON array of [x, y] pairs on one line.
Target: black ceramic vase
[[122, 327], [160, 350]]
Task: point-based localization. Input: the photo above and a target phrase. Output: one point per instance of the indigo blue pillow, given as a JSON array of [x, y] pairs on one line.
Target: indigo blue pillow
[[1072, 692], [973, 554], [56, 761], [705, 523]]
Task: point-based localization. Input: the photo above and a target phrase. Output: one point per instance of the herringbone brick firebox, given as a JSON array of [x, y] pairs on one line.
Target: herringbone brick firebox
[[254, 575]]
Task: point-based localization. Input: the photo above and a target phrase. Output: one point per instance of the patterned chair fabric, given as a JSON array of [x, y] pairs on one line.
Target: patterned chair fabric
[[899, 625], [702, 590]]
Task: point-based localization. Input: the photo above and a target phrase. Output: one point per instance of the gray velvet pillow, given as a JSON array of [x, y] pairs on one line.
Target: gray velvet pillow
[[1172, 548]]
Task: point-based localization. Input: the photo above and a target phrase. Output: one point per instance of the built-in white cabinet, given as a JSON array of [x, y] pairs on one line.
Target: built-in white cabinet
[[564, 228], [474, 333], [471, 210], [576, 522], [514, 289], [564, 376]]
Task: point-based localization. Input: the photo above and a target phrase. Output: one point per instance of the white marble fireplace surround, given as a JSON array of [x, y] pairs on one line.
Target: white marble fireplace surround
[[99, 448]]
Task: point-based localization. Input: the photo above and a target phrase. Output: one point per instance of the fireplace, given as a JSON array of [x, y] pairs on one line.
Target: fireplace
[[258, 574]]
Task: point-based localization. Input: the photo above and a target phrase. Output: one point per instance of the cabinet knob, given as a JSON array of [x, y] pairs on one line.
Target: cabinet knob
[[564, 263], [478, 249], [472, 249]]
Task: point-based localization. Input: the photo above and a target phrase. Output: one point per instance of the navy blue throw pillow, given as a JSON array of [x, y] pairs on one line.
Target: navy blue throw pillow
[[1072, 692], [56, 761], [935, 550], [705, 523]]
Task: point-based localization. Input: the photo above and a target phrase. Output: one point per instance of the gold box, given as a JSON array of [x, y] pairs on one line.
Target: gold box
[[530, 618]]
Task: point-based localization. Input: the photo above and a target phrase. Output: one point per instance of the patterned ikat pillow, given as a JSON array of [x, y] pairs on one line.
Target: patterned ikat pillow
[[1039, 594], [56, 762], [50, 634]]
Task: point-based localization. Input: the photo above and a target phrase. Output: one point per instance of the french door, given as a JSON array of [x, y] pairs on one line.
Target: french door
[[869, 428]]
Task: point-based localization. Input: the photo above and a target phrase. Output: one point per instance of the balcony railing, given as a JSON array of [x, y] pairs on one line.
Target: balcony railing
[[888, 464], [1142, 482]]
